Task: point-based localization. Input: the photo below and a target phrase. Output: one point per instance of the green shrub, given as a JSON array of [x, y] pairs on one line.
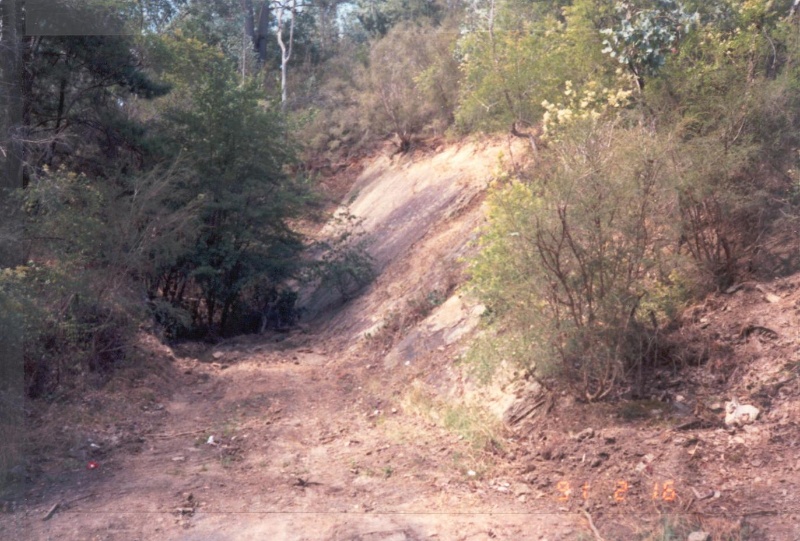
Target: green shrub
[[568, 259], [729, 101], [410, 84], [73, 333], [78, 297]]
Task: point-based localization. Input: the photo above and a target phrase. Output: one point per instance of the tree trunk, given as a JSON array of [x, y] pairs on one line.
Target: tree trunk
[[262, 32], [327, 10], [59, 118], [12, 69], [286, 49], [249, 24], [257, 27], [11, 129]]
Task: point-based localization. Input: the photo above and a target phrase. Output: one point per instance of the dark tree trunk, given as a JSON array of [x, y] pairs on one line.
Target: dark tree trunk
[[11, 129], [12, 91], [262, 33], [249, 24], [256, 26], [211, 306], [62, 91]]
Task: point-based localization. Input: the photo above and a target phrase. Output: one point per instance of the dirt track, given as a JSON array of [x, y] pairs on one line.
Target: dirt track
[[298, 452]]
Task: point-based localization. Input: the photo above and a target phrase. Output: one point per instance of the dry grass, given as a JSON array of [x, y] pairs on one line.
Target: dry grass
[[678, 527]]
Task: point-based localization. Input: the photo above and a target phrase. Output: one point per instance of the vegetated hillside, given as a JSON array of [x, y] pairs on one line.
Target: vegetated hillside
[[388, 417], [157, 186]]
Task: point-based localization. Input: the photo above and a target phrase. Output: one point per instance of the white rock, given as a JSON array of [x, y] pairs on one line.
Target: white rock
[[740, 414], [699, 536]]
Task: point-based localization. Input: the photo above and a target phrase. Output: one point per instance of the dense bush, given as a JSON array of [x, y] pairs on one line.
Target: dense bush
[[235, 152], [161, 173], [569, 256], [729, 98], [401, 86], [74, 298], [647, 193]]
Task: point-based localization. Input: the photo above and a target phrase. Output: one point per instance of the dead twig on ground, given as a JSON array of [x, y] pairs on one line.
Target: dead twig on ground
[[592, 526], [52, 511], [63, 505]]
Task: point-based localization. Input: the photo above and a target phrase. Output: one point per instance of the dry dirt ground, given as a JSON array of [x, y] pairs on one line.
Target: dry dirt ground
[[276, 441], [364, 424]]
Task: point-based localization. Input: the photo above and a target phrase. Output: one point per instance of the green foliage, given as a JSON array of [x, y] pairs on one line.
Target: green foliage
[[501, 345], [78, 306], [678, 527], [378, 17], [331, 125], [580, 262], [568, 259], [404, 85], [186, 198], [586, 105], [236, 151], [513, 65], [643, 35], [74, 334], [73, 94], [730, 98]]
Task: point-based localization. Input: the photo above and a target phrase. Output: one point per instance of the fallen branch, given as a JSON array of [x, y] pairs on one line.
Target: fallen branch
[[523, 410], [58, 505], [51, 512], [591, 525], [694, 423]]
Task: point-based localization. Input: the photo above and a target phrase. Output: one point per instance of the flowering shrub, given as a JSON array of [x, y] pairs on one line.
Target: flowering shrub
[[588, 104]]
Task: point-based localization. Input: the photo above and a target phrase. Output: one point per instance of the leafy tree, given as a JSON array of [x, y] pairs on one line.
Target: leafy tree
[[236, 147], [257, 26], [644, 35], [377, 17], [511, 64], [68, 93], [729, 96], [569, 259], [344, 263]]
